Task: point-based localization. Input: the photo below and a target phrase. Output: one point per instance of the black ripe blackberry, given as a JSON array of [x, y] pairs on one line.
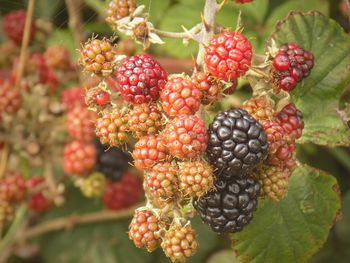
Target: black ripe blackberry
[[237, 142], [112, 162], [231, 207]]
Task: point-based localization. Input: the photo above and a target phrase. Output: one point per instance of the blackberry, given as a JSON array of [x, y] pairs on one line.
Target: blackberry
[[111, 161], [231, 207], [237, 142]]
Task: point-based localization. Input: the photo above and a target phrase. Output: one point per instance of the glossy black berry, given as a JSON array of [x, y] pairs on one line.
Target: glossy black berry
[[236, 144], [231, 206], [112, 162]]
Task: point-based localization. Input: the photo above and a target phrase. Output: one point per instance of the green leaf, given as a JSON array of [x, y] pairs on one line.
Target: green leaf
[[295, 228], [255, 10], [99, 6], [297, 5], [223, 256], [318, 95], [156, 8], [190, 16], [337, 247], [46, 8], [105, 242]]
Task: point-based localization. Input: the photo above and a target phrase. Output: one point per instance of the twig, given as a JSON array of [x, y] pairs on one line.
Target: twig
[[49, 178], [75, 20], [25, 42], [70, 221], [187, 34], [4, 158]]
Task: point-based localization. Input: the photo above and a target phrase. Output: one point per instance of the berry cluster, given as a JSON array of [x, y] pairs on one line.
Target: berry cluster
[[101, 172], [159, 111], [31, 115], [14, 189], [223, 169], [282, 129]]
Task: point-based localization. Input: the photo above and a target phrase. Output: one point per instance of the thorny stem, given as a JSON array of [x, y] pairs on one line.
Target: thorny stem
[[210, 9], [25, 42], [207, 32], [70, 221], [187, 34]]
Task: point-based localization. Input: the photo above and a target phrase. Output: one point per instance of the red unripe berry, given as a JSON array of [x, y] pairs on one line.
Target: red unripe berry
[[13, 25], [144, 230], [228, 56], [38, 202], [79, 158], [102, 98], [13, 187], [73, 97], [80, 123], [185, 136], [140, 78], [123, 193], [180, 96], [10, 98], [148, 151], [291, 119]]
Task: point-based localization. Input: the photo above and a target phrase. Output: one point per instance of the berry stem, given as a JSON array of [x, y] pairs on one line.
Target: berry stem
[[71, 221], [187, 34], [25, 42]]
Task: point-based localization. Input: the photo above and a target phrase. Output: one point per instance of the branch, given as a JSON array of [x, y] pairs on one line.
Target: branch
[[70, 221], [25, 42], [75, 20], [187, 34]]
